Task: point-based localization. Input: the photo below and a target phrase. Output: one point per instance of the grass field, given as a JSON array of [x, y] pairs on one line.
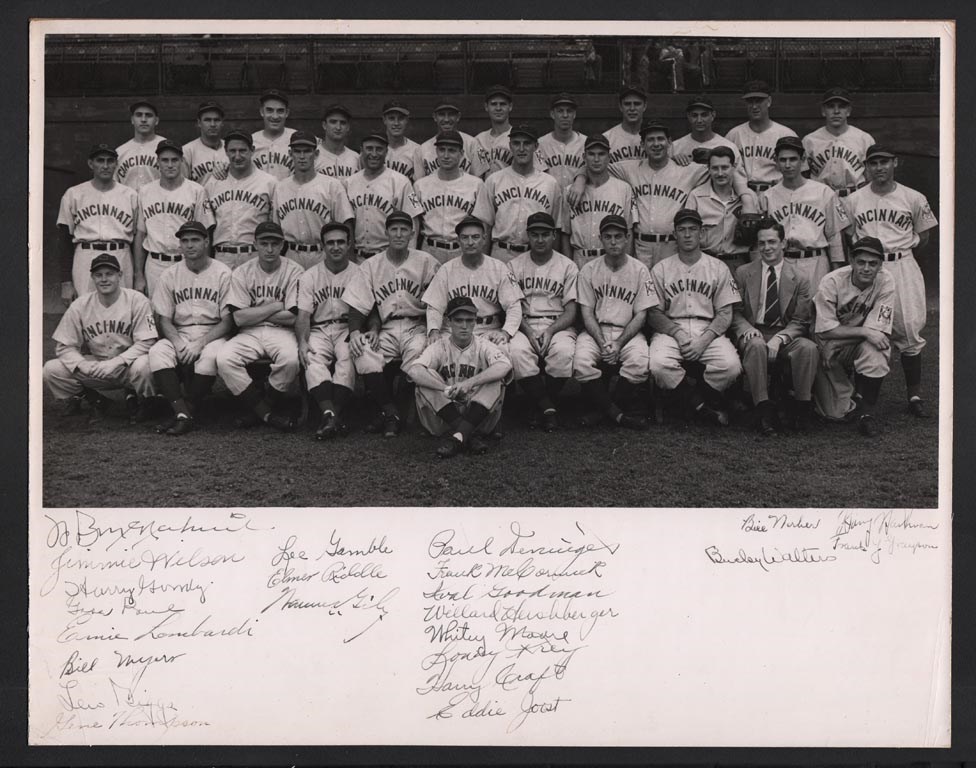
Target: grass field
[[115, 464]]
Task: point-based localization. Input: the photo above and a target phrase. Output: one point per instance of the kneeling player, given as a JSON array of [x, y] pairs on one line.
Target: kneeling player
[[459, 382]]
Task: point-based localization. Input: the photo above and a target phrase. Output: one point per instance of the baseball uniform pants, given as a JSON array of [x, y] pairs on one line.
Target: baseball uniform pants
[[402, 340], [910, 312], [651, 253], [813, 268], [800, 355], [583, 256], [633, 356], [430, 401], [328, 347], [305, 259], [64, 383], [504, 255], [153, 270], [722, 366], [234, 260], [558, 358], [833, 390], [443, 255], [162, 354], [250, 344], [81, 267]]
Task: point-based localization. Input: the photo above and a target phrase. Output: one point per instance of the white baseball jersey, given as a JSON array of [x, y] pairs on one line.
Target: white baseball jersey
[[202, 163], [193, 298], [837, 161], [303, 208], [163, 211], [495, 151], [251, 286], [516, 197], [271, 154], [320, 292], [660, 194], [896, 218], [92, 215], [757, 150], [491, 286], [237, 206], [137, 162], [106, 332], [810, 214], [562, 161], [373, 200], [397, 290], [400, 159], [695, 291], [687, 145], [547, 288], [340, 166], [839, 302], [456, 364], [425, 161], [719, 218], [445, 203], [615, 295], [626, 148], [612, 197]]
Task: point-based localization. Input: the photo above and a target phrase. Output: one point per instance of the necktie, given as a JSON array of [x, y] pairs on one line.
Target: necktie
[[771, 313]]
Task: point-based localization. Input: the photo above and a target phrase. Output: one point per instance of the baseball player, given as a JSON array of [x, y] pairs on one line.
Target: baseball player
[[401, 150], [101, 343], [447, 196], [190, 301], [271, 143], [394, 282], [204, 157], [164, 206], [238, 204], [322, 329], [375, 192], [720, 206], [626, 141], [493, 144], [900, 217], [306, 201], [756, 138], [446, 117], [519, 191], [854, 310], [137, 157], [603, 195], [771, 326], [95, 216], [835, 152], [263, 301], [695, 293], [335, 159], [459, 383], [809, 211], [694, 146], [560, 152], [614, 292], [548, 338]]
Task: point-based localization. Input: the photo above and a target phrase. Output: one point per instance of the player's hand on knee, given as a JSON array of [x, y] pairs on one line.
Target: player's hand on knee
[[877, 339], [68, 293], [544, 340], [373, 339], [303, 355], [357, 344]]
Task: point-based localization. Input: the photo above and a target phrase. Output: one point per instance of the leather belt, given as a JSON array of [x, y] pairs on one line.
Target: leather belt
[[614, 325], [164, 256], [513, 247], [235, 249], [487, 320], [540, 317], [305, 247], [590, 252], [447, 245], [804, 253], [759, 186], [333, 321], [729, 256], [362, 253], [654, 238], [897, 255], [102, 245], [845, 191], [404, 317]]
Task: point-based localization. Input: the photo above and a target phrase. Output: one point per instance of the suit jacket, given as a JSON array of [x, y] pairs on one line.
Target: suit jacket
[[795, 301]]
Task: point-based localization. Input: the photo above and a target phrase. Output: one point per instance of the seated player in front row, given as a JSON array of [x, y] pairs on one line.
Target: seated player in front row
[[459, 380], [102, 341]]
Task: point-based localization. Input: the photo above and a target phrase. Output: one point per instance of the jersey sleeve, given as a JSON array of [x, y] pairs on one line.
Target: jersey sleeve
[[291, 290], [341, 207], [432, 357], [836, 215], [223, 291], [68, 331], [559, 211], [646, 291], [509, 292], [585, 294], [358, 293], [199, 204], [478, 167], [237, 296], [143, 320], [207, 214], [305, 301], [726, 290], [406, 200], [482, 205], [140, 215], [436, 293], [922, 217], [825, 305], [698, 175], [882, 312], [490, 353], [65, 211], [570, 281], [162, 297], [657, 280]]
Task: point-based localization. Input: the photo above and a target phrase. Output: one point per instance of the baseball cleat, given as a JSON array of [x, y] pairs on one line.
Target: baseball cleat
[[375, 426], [631, 422], [279, 422], [449, 448], [714, 416], [766, 426], [866, 425], [70, 407], [99, 409], [328, 428], [163, 427], [592, 419], [476, 445], [916, 407], [247, 420], [183, 425], [391, 426]]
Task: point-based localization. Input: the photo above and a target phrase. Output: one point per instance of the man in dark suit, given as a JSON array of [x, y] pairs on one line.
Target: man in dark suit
[[771, 327]]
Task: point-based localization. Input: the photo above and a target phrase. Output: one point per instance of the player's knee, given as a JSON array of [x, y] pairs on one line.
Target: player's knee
[[55, 369]]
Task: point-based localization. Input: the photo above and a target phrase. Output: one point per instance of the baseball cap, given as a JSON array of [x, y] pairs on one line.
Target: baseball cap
[[399, 217], [498, 90], [210, 106], [627, 90], [687, 214], [460, 304], [469, 221], [395, 106], [449, 137], [654, 125], [597, 140], [334, 225], [337, 109], [870, 245], [102, 149], [268, 228], [788, 142], [524, 130], [143, 103], [194, 227], [376, 136], [756, 89], [836, 94], [170, 145], [105, 260], [540, 220], [700, 101], [447, 104], [303, 138], [273, 94], [877, 150], [563, 98], [240, 135], [611, 221]]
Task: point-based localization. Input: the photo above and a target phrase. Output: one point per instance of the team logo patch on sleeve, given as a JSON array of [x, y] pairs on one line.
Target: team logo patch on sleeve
[[885, 312], [151, 321], [512, 279], [649, 287], [734, 286]]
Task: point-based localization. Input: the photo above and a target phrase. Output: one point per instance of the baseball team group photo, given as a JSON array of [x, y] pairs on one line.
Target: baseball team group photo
[[565, 270]]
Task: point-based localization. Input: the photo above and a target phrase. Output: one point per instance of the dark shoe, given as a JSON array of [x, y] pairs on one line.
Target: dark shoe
[[916, 407], [183, 425], [279, 422], [866, 425], [328, 428], [592, 419], [550, 421], [495, 435], [391, 426], [477, 445], [375, 426], [766, 426], [713, 416], [99, 408], [247, 420], [69, 407], [449, 448], [164, 427], [631, 422]]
